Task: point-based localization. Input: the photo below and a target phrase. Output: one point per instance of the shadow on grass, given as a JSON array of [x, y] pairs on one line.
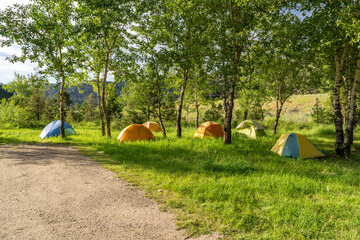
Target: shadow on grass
[[174, 159], [209, 157], [243, 157]]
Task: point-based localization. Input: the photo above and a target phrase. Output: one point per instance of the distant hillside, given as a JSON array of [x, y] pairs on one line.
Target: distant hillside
[[298, 108], [75, 95], [4, 93]]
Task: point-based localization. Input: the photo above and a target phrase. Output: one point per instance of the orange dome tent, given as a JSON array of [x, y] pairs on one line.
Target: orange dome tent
[[153, 126], [209, 129], [135, 132]]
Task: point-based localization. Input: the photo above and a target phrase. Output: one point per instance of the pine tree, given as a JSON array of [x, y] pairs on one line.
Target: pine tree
[[169, 107], [89, 107], [318, 112]]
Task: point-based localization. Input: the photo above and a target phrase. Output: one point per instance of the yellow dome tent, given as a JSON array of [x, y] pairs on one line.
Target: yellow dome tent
[[135, 132], [296, 145], [251, 128], [209, 129], [153, 126]]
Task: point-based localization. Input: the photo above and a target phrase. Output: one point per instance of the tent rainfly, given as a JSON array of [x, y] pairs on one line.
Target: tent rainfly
[[209, 129], [53, 130], [153, 126], [135, 132], [297, 146], [251, 128]]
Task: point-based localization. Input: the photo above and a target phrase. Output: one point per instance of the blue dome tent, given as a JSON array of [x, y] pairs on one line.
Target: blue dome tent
[[297, 146], [53, 130]]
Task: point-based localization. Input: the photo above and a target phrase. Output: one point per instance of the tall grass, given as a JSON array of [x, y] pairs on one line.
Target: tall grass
[[242, 190]]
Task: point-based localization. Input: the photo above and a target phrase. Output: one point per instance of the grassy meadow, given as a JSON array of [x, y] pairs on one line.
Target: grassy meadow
[[242, 191]]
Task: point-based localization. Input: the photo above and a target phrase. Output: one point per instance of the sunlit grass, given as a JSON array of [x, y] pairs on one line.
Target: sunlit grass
[[242, 190]]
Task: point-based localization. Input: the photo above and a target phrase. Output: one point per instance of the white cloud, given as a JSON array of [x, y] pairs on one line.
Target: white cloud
[[5, 3], [7, 69]]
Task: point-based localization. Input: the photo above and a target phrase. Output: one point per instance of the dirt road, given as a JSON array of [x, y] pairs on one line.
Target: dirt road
[[54, 192]]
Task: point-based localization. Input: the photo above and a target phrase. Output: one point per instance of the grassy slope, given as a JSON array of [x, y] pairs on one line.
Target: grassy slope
[[297, 108]]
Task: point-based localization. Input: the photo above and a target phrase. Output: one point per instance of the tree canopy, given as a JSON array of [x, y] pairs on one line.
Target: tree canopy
[[256, 51]]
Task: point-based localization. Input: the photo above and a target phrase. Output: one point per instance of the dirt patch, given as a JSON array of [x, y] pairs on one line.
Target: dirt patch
[[54, 192]]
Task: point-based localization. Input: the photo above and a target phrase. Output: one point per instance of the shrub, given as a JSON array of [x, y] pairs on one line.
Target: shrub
[[89, 108], [256, 112], [119, 124], [318, 112], [169, 107], [214, 113], [13, 114], [75, 114], [134, 116]]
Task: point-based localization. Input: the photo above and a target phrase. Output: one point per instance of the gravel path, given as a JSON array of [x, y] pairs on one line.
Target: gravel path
[[54, 192]]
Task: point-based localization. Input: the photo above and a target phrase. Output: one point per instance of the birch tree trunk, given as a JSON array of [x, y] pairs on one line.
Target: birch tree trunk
[[339, 132], [62, 100], [245, 114], [348, 140], [62, 107], [101, 114], [159, 107], [278, 114], [103, 97], [228, 107], [181, 100], [197, 115]]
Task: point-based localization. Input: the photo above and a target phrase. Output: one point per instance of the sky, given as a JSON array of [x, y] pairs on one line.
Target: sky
[[8, 69]]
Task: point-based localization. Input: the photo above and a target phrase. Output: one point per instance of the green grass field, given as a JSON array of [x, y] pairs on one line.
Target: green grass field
[[243, 191]]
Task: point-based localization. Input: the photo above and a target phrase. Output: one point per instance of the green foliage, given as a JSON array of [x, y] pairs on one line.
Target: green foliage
[[29, 95], [135, 116], [114, 105], [13, 114], [46, 34], [238, 117], [214, 113], [328, 111], [36, 103], [51, 110], [318, 112], [169, 107], [89, 108], [137, 106], [254, 110], [56, 101], [4, 93], [76, 113], [28, 91]]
